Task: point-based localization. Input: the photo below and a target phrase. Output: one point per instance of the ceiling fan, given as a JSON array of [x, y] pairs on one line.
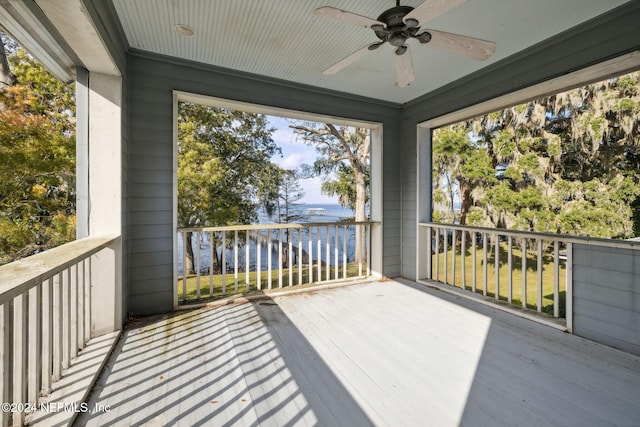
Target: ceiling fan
[[399, 24]]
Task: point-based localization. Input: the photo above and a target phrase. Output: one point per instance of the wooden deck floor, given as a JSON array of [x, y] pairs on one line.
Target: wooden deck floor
[[372, 354]]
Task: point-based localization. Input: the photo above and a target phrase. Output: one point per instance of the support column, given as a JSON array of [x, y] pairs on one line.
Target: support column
[[424, 197], [105, 199]]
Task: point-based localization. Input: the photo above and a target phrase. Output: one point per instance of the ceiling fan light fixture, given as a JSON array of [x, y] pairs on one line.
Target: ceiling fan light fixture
[[184, 30]]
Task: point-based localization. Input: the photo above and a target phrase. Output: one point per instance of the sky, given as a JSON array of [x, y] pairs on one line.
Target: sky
[[294, 154]]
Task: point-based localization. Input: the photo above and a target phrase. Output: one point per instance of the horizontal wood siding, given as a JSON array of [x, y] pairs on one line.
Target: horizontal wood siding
[[605, 37], [606, 295], [153, 80]]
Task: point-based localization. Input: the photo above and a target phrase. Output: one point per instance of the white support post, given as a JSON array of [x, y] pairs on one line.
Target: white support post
[[211, 249], [197, 266], [247, 245], [5, 359], [556, 279], [280, 258], [539, 281], [35, 340], [258, 259], [569, 292], [47, 335], [20, 330], [269, 259], [235, 261], [310, 257], [73, 314], [223, 263], [57, 327]]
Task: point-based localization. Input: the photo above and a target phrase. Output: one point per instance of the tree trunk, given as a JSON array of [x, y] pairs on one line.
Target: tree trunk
[[188, 268], [6, 77], [465, 201], [360, 212]]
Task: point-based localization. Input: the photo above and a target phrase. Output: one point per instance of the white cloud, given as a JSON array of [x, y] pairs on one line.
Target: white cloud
[[292, 161]]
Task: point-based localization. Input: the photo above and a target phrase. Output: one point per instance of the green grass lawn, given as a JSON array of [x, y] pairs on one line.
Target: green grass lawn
[[212, 287], [531, 274]]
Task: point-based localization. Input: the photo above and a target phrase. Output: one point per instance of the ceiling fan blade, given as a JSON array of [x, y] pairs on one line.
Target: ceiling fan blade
[[461, 45], [344, 62], [348, 17], [431, 9], [404, 68]]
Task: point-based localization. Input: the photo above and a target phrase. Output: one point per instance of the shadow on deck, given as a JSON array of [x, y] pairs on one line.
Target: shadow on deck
[[384, 353]]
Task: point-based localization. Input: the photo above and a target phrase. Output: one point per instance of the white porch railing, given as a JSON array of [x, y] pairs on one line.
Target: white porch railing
[[244, 258], [46, 317], [531, 270]]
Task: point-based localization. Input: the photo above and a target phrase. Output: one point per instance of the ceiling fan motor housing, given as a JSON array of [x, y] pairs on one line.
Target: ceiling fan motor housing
[[397, 31]]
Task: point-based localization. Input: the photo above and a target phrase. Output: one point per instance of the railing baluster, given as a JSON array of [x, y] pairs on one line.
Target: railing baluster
[[73, 313], [430, 253], [328, 251], [81, 288], [368, 244], [359, 250], [496, 265], [445, 254], [269, 260], [335, 259], [211, 249], [310, 257], [473, 262], [453, 257], [258, 259], [463, 254], [184, 265], [88, 271], [524, 272], [539, 296], [280, 257], [437, 257], [556, 278], [5, 355], [485, 273], [235, 261], [344, 251], [290, 258], [47, 334], [300, 256], [569, 288], [35, 340], [223, 262], [510, 268], [20, 331], [66, 324], [247, 264], [319, 241], [197, 266]]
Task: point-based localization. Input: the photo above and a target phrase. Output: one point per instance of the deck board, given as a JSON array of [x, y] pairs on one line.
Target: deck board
[[383, 353]]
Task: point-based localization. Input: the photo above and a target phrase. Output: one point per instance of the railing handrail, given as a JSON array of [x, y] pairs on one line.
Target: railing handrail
[[567, 238], [273, 226], [18, 277]]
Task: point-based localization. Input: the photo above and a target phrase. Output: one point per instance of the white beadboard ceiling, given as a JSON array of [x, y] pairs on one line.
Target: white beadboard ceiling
[[283, 39]]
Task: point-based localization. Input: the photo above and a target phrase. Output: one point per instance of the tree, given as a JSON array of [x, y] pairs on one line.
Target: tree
[[224, 169], [344, 150], [37, 157], [288, 211], [289, 194], [565, 163]]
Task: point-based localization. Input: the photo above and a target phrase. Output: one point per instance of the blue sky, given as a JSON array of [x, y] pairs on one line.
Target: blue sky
[[294, 154]]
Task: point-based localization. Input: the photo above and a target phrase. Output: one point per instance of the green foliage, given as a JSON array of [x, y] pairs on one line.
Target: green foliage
[[567, 163], [37, 158], [289, 194], [224, 166]]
